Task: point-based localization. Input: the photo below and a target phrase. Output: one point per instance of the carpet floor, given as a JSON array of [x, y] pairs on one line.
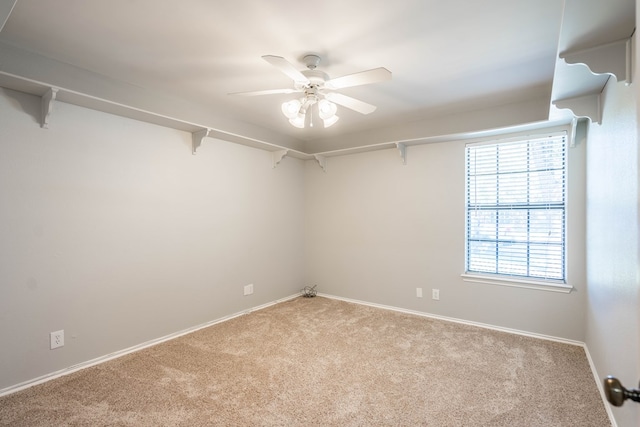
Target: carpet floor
[[325, 362]]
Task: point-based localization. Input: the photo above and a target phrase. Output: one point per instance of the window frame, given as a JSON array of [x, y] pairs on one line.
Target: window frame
[[554, 285]]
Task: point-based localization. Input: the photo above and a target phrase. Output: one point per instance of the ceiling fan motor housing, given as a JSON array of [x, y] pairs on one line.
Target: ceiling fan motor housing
[[315, 77]]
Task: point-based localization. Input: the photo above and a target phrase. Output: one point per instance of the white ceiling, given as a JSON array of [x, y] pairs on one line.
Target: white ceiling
[[447, 57]]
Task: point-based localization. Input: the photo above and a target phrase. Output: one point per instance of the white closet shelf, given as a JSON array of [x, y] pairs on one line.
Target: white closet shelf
[[50, 94]]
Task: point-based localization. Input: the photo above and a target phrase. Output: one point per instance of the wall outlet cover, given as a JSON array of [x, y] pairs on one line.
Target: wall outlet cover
[[57, 339]]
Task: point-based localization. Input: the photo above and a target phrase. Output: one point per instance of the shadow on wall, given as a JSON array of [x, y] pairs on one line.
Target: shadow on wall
[[24, 104]]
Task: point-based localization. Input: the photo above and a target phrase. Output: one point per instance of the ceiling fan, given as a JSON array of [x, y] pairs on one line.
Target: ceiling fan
[[317, 88]]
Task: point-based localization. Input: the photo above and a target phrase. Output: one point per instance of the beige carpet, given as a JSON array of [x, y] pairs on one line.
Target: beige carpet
[[323, 362]]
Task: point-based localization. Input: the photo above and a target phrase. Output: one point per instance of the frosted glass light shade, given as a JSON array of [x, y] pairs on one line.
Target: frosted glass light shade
[[330, 121], [327, 109], [291, 108], [298, 121]]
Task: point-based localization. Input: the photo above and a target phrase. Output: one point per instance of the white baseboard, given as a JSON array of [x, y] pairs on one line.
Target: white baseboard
[[120, 353], [596, 377], [594, 372], [453, 319]]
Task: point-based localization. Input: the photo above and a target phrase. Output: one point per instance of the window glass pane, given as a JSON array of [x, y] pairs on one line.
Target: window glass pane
[[482, 224], [485, 189], [513, 225], [547, 226], [546, 186], [546, 261], [482, 257], [512, 259], [512, 157], [512, 188]]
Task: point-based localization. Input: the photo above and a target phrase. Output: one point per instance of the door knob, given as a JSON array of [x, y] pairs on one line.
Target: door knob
[[617, 394]]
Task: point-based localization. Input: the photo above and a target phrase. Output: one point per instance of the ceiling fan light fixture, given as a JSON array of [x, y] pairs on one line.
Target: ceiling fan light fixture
[[330, 121], [290, 109], [298, 120], [317, 88], [327, 112], [327, 109]]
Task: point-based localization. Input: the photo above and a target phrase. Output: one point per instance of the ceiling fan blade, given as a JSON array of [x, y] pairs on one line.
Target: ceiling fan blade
[[362, 78], [265, 92], [287, 68], [352, 103]]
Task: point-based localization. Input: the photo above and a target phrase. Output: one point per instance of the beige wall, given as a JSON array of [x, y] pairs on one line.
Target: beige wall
[[378, 229], [113, 231]]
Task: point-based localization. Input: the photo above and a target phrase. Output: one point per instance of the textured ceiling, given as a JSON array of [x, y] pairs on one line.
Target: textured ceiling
[[446, 57]]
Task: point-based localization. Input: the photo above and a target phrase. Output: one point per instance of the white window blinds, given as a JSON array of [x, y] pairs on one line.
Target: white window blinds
[[515, 208]]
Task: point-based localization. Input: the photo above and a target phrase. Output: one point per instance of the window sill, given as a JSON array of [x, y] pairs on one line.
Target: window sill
[[540, 285]]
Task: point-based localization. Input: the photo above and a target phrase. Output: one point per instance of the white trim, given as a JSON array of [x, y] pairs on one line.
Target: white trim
[[455, 320], [120, 353], [596, 377], [518, 283]]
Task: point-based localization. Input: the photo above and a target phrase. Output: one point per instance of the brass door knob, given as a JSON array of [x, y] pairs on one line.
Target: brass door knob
[[617, 394]]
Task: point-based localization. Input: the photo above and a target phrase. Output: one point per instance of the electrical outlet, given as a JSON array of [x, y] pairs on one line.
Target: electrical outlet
[[248, 289], [419, 292], [435, 294], [57, 339]]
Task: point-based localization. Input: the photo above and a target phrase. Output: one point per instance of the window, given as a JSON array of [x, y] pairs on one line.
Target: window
[[515, 208]]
